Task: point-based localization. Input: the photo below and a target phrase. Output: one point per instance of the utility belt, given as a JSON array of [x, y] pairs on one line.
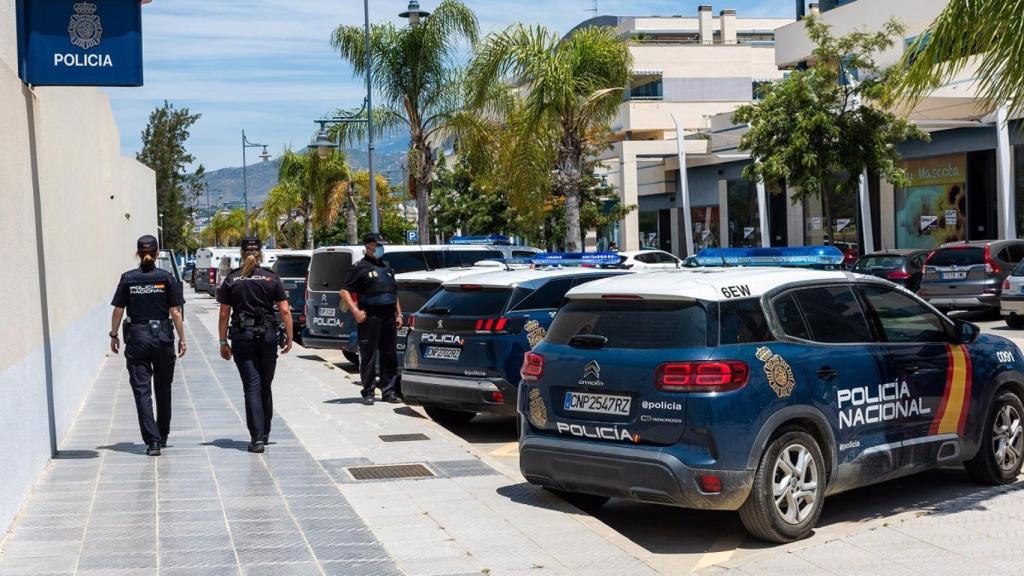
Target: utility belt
[[157, 329], [257, 326]]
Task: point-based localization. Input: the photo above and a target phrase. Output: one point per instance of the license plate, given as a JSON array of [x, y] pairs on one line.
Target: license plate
[[954, 275], [442, 353], [597, 403], [328, 312], [403, 332]]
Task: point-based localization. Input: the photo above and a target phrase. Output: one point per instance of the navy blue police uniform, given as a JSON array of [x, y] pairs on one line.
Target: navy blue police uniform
[[148, 296], [372, 281], [255, 337]]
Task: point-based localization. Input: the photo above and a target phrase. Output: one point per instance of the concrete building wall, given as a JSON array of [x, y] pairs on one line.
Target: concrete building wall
[[60, 164]]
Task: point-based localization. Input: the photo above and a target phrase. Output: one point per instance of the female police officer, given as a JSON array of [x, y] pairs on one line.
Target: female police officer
[[150, 295], [247, 298]]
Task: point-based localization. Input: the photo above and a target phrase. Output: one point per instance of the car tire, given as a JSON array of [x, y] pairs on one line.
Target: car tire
[[999, 458], [447, 417], [800, 484], [1015, 322], [351, 357], [588, 503]]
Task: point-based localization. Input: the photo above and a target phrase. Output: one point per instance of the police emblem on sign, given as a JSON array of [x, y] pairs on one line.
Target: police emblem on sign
[[780, 375], [538, 411], [85, 28]]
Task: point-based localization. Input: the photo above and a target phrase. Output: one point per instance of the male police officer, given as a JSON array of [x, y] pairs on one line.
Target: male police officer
[[150, 295], [379, 316]]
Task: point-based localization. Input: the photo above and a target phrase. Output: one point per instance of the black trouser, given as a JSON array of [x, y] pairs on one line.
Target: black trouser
[[150, 361], [377, 342], [256, 359]]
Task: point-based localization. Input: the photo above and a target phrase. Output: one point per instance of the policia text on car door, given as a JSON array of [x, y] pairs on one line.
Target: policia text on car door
[[247, 298], [153, 300]]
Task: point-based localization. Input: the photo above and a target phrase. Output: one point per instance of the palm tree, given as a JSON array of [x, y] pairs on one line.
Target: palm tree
[[225, 228], [420, 87], [571, 86], [992, 30], [307, 190]]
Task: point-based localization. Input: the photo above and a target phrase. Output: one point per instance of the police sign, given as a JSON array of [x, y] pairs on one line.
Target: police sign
[[80, 42]]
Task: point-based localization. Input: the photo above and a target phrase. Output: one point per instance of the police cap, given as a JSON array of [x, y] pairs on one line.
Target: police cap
[[372, 238], [147, 243], [251, 243]]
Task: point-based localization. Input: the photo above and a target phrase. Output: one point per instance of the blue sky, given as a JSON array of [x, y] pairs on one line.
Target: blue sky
[[266, 66]]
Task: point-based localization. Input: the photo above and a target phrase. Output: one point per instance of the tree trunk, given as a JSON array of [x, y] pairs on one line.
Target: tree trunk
[[572, 217], [826, 196], [308, 233], [351, 217], [423, 212]]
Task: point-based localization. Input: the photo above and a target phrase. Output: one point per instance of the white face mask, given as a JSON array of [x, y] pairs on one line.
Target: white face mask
[[378, 252]]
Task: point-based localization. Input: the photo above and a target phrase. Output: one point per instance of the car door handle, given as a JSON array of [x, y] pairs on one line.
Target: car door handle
[[910, 368], [826, 373]]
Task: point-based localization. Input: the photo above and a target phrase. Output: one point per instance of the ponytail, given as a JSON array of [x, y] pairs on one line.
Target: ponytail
[[252, 260]]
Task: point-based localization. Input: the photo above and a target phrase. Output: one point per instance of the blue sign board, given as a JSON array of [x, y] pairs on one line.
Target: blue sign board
[[412, 236], [80, 42]]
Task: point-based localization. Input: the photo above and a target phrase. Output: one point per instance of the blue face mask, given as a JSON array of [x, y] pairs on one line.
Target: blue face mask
[[378, 252]]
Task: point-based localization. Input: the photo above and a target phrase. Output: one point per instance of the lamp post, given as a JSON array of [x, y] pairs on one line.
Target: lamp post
[[245, 180], [323, 144], [160, 229]]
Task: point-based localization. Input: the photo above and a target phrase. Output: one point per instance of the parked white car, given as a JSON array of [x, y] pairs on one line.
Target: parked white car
[[648, 259]]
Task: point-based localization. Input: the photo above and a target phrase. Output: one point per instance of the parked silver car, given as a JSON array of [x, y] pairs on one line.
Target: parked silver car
[[969, 275]]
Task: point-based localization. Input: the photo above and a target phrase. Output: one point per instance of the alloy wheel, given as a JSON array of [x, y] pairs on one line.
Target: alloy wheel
[[1007, 437], [795, 484]]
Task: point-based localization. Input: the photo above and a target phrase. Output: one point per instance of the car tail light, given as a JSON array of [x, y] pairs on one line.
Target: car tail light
[[897, 275], [497, 397], [213, 275], [533, 367], [412, 321], [1006, 284], [990, 265], [703, 376], [470, 287], [491, 324]]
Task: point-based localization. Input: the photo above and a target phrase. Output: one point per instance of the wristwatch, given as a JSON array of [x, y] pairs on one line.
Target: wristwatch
[[112, 334], [223, 342]]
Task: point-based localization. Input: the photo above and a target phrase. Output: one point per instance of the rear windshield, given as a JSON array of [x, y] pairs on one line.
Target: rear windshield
[[413, 295], [957, 257], [328, 270], [743, 322], [886, 262], [460, 258], [632, 324], [291, 266], [406, 261], [457, 302]]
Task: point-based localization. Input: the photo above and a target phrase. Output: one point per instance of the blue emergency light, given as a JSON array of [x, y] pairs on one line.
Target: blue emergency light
[[576, 259], [493, 239], [825, 257]]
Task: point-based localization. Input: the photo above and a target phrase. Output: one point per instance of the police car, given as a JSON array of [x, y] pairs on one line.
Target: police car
[[466, 344], [763, 391]]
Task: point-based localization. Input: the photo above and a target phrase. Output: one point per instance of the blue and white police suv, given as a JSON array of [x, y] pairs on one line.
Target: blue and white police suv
[[761, 390]]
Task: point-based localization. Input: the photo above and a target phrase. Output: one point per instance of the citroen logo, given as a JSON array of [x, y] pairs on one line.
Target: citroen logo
[[592, 370]]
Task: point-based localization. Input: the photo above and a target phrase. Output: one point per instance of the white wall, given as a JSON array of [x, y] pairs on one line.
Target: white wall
[[59, 147]]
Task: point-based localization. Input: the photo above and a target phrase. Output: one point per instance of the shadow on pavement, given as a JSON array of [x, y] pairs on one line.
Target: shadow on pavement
[[76, 454], [406, 411], [312, 357], [228, 444], [356, 400], [129, 447], [486, 429]]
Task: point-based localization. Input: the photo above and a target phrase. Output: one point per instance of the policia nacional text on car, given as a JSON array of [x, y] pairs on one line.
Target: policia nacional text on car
[[247, 297], [153, 300], [371, 293]]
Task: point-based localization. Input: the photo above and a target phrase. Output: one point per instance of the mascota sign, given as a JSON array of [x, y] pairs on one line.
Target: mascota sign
[[80, 42]]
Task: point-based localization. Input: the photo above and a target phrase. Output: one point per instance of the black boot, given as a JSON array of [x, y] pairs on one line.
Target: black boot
[[153, 449], [256, 445], [163, 442], [266, 439]]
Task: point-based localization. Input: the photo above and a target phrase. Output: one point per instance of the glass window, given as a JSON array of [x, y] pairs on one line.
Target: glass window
[[406, 261], [633, 324], [833, 315], [478, 303], [882, 262], [548, 296], [742, 322], [413, 295], [328, 271], [1016, 253], [789, 317], [958, 257], [291, 266], [904, 319]]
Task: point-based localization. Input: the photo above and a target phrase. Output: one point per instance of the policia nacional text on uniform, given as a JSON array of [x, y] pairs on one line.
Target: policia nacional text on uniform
[[248, 297], [153, 300], [371, 293]]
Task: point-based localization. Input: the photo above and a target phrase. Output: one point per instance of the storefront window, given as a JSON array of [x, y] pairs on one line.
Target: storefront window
[[743, 215], [933, 209], [648, 222], [705, 221]]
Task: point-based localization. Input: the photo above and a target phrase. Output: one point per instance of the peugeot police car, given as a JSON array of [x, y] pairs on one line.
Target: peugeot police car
[[761, 390], [466, 344]]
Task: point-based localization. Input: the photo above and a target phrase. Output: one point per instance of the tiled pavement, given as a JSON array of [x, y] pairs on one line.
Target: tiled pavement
[[207, 507]]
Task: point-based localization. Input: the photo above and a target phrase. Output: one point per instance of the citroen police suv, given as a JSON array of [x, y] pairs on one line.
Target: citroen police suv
[[762, 391], [466, 344]]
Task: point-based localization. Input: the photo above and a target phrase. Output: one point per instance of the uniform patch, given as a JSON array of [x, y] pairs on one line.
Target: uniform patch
[[538, 411], [780, 375], [956, 397]]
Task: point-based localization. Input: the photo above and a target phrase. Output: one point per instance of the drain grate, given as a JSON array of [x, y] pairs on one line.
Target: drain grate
[[390, 472], [403, 437]]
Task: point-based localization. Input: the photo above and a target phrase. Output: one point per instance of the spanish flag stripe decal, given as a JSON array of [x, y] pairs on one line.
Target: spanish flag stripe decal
[[952, 412]]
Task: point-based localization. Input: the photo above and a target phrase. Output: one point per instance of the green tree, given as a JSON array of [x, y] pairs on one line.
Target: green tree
[[569, 87], [985, 33], [420, 87], [461, 201], [310, 190], [393, 224], [818, 130], [163, 150], [226, 228]]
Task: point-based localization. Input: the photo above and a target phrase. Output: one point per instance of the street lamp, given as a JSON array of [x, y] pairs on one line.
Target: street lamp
[[414, 13], [160, 229], [322, 145], [265, 156]]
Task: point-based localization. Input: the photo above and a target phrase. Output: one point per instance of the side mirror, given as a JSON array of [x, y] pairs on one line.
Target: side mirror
[[966, 331]]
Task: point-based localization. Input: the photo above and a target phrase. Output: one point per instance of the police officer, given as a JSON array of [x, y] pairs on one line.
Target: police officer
[[371, 293], [248, 297], [153, 300]]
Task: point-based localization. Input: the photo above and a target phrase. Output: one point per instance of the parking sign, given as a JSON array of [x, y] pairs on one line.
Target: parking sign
[[412, 236]]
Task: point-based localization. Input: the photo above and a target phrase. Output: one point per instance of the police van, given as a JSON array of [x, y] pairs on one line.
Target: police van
[[763, 391], [207, 262], [292, 266], [466, 343], [331, 326]]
